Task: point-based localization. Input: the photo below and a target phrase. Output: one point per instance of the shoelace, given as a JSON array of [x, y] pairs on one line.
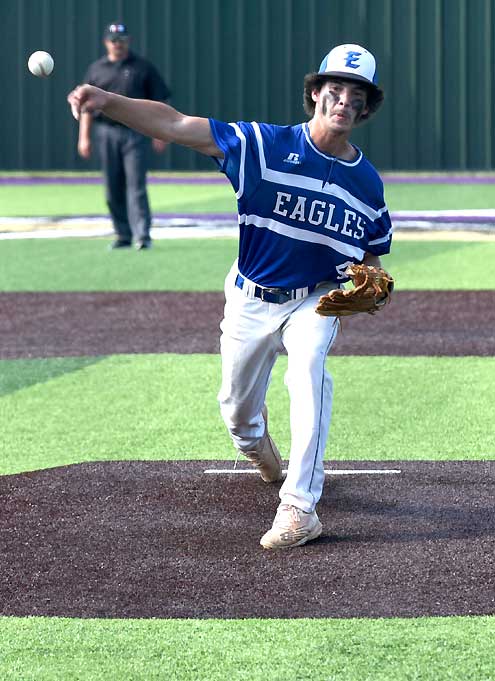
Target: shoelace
[[237, 459]]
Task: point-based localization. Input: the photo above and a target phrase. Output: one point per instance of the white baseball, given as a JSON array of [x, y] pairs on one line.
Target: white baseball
[[40, 64]]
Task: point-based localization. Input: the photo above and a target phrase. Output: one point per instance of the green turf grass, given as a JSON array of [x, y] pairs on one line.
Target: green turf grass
[[88, 265], [88, 199], [201, 264], [442, 265], [36, 200], [439, 196], [139, 407], [427, 649], [159, 173]]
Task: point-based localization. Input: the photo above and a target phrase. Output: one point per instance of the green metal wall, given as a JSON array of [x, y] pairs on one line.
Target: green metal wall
[[246, 59]]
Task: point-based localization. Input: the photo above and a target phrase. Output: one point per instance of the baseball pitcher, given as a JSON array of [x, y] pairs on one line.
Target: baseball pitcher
[[311, 218]]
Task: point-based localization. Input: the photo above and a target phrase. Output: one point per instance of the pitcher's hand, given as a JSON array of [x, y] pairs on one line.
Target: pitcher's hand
[[86, 99]]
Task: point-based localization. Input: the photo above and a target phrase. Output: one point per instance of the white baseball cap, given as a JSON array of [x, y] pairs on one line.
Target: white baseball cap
[[350, 61]]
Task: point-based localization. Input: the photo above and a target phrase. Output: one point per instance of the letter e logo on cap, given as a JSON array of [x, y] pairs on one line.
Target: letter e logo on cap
[[351, 57]]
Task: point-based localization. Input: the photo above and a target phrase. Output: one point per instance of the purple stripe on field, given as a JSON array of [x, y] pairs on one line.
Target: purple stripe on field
[[396, 217], [192, 217], [447, 219], [98, 180], [210, 217], [388, 178], [461, 218], [438, 179]]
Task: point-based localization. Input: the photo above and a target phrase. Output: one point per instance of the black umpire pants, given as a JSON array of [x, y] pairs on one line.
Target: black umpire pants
[[124, 158]]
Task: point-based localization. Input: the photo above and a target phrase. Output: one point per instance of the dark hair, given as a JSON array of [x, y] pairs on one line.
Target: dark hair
[[315, 81]]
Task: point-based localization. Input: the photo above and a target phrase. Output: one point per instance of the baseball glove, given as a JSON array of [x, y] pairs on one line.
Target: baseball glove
[[372, 289]]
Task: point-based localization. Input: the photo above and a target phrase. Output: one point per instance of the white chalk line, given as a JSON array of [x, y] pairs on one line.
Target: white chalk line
[[253, 471], [470, 225]]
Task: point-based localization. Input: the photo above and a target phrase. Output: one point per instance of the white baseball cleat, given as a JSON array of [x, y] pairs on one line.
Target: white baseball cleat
[[266, 457], [291, 527]]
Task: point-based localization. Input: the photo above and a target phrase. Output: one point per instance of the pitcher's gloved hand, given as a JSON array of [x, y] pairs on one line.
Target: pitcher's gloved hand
[[372, 289]]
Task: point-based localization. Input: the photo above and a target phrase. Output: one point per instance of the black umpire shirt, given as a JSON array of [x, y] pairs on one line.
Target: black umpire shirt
[[133, 77]]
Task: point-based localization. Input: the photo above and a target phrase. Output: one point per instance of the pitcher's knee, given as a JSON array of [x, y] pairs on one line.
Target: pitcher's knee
[[245, 430], [234, 416]]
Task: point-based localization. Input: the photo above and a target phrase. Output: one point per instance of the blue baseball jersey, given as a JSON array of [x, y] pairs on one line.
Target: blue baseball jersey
[[304, 216]]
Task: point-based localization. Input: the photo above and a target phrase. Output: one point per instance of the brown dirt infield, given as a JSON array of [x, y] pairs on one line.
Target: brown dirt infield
[[162, 539], [453, 323]]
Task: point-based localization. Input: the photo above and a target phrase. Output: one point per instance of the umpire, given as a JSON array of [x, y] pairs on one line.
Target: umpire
[[123, 152]]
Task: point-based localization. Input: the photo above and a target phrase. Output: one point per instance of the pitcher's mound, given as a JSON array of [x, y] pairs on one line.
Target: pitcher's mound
[[164, 539]]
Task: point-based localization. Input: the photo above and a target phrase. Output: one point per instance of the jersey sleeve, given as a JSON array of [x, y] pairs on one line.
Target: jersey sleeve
[[244, 145], [380, 230], [380, 234]]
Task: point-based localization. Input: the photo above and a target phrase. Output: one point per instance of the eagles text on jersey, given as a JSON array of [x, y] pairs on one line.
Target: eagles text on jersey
[[303, 216]]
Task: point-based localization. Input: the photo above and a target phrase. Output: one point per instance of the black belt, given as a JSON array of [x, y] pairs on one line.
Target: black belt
[[273, 295]]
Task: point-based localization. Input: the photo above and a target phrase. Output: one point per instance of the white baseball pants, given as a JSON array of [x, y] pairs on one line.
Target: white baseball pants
[[254, 333]]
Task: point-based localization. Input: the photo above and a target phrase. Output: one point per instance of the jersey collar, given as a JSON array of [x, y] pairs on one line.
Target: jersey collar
[[331, 158]]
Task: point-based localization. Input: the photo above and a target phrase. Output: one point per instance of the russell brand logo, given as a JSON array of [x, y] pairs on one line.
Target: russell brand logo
[[292, 158]]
